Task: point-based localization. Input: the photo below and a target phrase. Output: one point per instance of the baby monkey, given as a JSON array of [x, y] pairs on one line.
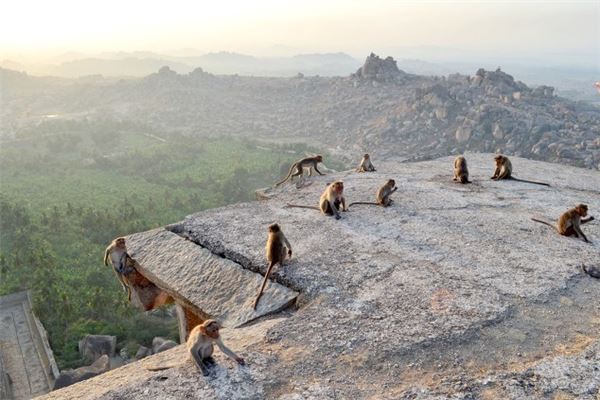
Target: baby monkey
[[504, 171], [277, 249], [330, 201], [569, 223], [383, 195], [461, 173], [365, 164], [200, 345]]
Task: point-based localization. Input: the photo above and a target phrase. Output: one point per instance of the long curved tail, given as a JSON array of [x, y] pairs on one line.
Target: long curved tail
[[287, 177], [534, 182], [301, 206], [161, 368], [545, 223], [364, 202], [262, 288]]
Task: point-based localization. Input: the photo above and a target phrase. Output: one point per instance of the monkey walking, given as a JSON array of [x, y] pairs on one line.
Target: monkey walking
[[383, 195], [200, 345], [330, 201], [461, 173], [365, 164], [121, 261], [277, 249], [504, 171], [569, 223], [297, 168]]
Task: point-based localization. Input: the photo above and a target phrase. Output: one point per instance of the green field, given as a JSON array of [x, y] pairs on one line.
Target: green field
[[68, 188]]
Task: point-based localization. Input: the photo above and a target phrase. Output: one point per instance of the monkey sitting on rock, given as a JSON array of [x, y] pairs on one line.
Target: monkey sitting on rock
[[504, 171], [330, 201], [200, 345], [366, 165], [569, 223]]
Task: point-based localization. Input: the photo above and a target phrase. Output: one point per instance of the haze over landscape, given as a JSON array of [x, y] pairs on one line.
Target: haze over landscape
[[165, 121]]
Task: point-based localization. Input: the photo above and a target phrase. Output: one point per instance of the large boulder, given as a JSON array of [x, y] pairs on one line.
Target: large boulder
[[378, 69], [71, 376], [161, 344], [92, 347]]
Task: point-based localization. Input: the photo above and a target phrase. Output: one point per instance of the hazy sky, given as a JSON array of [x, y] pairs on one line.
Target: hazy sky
[[264, 27]]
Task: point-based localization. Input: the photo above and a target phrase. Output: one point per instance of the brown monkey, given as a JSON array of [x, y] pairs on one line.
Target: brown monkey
[[121, 261], [366, 165], [569, 223], [461, 173], [297, 168], [504, 171], [277, 249], [383, 195], [201, 343], [330, 201]]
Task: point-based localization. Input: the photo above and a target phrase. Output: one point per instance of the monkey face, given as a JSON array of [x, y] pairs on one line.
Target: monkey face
[[391, 183], [210, 328], [120, 242], [274, 228], [581, 209], [319, 158], [338, 187], [366, 156]]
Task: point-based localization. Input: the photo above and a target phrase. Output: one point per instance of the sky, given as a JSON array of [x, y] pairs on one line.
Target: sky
[[42, 28]]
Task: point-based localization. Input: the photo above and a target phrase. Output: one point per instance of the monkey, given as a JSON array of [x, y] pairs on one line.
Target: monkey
[[330, 201], [383, 195], [276, 250], [200, 344], [121, 261], [461, 173], [504, 171], [297, 168], [593, 271], [366, 165], [569, 223]]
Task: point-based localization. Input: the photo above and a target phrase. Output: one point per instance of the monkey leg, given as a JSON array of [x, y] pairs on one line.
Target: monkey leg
[[209, 361]]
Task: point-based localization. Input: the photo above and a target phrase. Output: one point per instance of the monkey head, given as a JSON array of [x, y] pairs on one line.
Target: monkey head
[[366, 156], [338, 187], [500, 159], [319, 158], [120, 242], [581, 209], [391, 183], [210, 328], [274, 228]]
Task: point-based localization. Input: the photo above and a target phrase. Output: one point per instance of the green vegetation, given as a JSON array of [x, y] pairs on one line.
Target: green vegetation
[[67, 188]]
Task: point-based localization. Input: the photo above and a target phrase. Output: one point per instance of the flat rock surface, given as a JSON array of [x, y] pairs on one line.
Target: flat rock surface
[[219, 287], [451, 281]]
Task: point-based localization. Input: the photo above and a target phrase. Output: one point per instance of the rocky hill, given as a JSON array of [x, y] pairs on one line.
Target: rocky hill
[[379, 109], [453, 292]]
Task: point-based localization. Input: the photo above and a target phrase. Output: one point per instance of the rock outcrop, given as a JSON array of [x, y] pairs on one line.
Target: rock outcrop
[[71, 376], [92, 347], [379, 70], [452, 292]]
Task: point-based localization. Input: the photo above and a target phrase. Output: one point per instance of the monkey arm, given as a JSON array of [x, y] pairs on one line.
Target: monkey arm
[[496, 173], [287, 244], [504, 174], [106, 254], [316, 169], [343, 200], [586, 220], [393, 190], [580, 233], [228, 352]]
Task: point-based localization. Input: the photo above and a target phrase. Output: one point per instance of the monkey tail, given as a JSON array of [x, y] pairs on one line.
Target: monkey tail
[[288, 205], [364, 202], [287, 177], [526, 181], [262, 287], [161, 368], [545, 223]]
